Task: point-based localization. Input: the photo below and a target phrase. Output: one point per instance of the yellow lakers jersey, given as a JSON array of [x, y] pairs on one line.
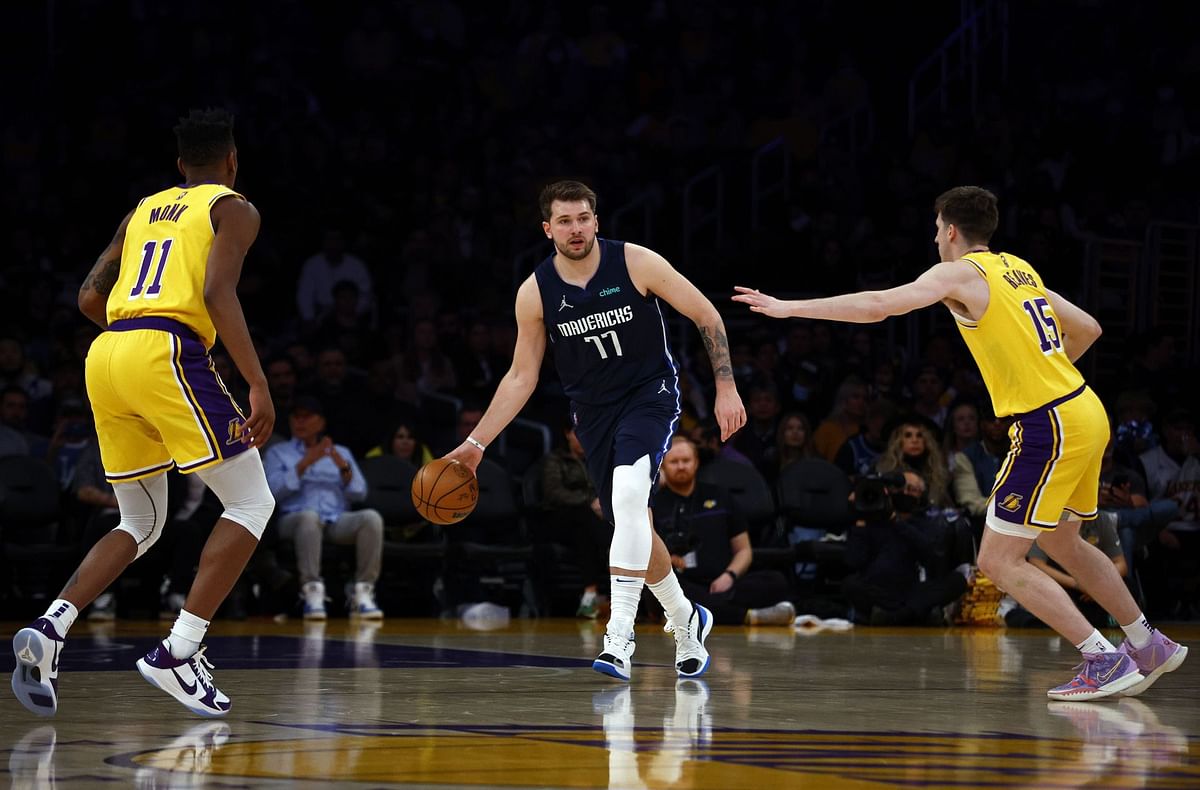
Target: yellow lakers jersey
[[1018, 342], [165, 257]]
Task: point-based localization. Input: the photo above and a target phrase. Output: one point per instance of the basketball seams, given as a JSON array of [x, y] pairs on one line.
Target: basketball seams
[[431, 504]]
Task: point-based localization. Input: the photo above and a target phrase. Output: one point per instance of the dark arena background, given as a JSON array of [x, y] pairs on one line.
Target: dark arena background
[[395, 151]]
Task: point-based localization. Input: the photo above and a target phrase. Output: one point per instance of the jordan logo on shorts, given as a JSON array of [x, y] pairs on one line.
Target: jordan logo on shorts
[[565, 305], [237, 430], [662, 387], [1012, 503]]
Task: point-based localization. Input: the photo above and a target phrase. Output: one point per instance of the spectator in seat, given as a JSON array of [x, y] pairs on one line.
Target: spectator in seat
[[577, 519], [314, 482], [913, 448], [710, 547], [907, 560]]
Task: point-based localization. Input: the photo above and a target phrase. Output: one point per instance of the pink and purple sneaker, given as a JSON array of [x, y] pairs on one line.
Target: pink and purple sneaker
[[1100, 675], [1154, 660]]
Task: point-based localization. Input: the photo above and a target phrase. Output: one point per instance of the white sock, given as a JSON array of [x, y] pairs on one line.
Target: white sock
[[670, 595], [186, 635], [1096, 643], [1139, 632], [62, 614], [624, 599]]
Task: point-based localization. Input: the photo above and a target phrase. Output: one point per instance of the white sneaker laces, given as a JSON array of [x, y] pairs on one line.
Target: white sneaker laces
[[202, 667], [687, 645]]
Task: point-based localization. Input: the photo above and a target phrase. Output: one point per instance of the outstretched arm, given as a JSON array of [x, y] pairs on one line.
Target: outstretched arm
[[1078, 329], [942, 281], [650, 271], [517, 385], [93, 294], [236, 223]]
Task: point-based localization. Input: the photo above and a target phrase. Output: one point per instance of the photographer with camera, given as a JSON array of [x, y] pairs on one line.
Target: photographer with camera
[[710, 547], [907, 560]]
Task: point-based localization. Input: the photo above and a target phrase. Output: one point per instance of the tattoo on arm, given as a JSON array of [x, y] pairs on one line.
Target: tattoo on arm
[[103, 276], [717, 346]]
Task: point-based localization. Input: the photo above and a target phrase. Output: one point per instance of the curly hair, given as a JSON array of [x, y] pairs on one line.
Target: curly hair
[[932, 466]]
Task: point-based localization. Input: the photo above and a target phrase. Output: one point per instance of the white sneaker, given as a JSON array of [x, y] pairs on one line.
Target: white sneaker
[[362, 602], [313, 594], [691, 657], [614, 658], [35, 678], [782, 613], [188, 680]]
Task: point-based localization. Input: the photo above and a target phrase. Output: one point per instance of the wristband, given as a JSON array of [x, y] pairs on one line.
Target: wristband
[[732, 574], [476, 442]]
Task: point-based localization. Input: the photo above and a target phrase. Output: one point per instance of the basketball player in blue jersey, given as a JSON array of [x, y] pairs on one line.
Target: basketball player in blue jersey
[[596, 302], [163, 290], [1025, 339]]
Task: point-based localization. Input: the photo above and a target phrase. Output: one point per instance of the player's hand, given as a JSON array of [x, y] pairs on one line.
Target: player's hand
[[258, 427], [729, 411], [466, 454], [760, 302]]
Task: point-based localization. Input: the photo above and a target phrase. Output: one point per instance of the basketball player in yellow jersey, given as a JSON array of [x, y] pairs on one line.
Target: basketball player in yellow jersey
[[163, 290], [1025, 339]]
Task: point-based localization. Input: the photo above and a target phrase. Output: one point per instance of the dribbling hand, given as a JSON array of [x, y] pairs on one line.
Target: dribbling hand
[[760, 302], [261, 422], [466, 454]]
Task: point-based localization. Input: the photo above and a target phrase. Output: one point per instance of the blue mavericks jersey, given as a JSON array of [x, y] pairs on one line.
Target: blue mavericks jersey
[[608, 339]]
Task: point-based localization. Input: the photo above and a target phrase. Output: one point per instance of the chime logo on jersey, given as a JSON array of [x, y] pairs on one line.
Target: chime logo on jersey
[[601, 320]]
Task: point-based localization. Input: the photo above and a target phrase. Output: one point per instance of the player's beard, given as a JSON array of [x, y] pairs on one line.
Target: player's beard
[[565, 251]]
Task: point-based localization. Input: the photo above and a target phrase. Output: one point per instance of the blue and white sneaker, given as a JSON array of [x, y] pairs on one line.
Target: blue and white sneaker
[[313, 595], [691, 657], [361, 601], [614, 658], [188, 680], [35, 679]]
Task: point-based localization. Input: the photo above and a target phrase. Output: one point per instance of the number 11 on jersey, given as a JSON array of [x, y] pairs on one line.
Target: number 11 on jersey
[[147, 258]]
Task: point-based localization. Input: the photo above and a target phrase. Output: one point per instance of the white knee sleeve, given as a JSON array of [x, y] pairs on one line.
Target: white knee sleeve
[[143, 505], [631, 541], [241, 485]]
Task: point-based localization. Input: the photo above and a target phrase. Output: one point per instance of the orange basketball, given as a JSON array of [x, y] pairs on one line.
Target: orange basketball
[[444, 491]]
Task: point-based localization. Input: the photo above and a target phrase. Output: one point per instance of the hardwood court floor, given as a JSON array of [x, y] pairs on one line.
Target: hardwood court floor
[[428, 704]]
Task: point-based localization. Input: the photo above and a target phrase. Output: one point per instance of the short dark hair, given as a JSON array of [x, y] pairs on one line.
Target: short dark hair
[[973, 210], [204, 136], [568, 192]]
